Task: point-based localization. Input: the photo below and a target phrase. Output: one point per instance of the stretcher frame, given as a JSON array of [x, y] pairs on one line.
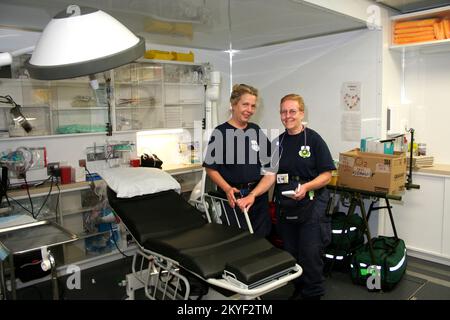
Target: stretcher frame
[[153, 276], [161, 277]]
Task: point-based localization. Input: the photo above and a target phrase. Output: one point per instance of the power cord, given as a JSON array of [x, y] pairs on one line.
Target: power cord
[[92, 184], [29, 196], [35, 216], [110, 224], [57, 202], [46, 198], [9, 197], [115, 242]]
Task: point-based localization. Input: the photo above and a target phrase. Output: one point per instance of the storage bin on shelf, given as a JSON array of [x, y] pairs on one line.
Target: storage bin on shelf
[[158, 55], [420, 27], [179, 56], [166, 55]]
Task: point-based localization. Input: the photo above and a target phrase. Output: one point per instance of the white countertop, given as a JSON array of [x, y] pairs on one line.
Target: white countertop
[[438, 169], [173, 169]]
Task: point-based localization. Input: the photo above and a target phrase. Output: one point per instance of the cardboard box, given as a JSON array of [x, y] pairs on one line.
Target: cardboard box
[[372, 171]]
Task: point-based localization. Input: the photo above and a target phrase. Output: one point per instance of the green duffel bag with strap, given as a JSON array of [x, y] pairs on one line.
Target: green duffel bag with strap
[[347, 235], [388, 268], [347, 231]]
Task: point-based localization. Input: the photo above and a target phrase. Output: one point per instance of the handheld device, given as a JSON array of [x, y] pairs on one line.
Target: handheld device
[[288, 193]]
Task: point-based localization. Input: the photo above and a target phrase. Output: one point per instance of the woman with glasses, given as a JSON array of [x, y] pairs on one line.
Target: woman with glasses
[[234, 160], [303, 171]]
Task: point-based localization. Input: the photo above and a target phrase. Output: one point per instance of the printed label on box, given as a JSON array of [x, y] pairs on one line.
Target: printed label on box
[[383, 168], [362, 172], [347, 161]]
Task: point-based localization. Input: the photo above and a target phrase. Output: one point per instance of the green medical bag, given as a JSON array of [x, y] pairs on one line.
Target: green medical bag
[[390, 262], [347, 231], [347, 235]]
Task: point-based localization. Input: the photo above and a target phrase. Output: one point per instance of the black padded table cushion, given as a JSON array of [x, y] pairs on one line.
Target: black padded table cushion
[[211, 263], [207, 237], [210, 249], [253, 268], [155, 215], [167, 224]]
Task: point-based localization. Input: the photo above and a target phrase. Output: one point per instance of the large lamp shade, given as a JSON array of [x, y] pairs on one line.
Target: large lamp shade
[[82, 41]]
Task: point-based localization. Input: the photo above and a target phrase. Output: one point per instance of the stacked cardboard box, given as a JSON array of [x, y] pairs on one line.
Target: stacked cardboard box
[[372, 171]]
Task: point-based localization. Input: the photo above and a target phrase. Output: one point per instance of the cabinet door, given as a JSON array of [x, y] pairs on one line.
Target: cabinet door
[[184, 95], [188, 181], [93, 221], [78, 108], [39, 207], [138, 96], [34, 98]]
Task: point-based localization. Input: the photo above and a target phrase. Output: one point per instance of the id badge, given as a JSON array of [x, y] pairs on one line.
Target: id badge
[[282, 178]]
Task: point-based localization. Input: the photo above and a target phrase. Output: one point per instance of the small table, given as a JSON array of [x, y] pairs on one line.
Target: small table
[[23, 238], [356, 196]]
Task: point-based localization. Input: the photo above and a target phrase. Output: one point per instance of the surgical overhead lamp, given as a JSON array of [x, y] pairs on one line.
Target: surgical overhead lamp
[[82, 41], [79, 41]]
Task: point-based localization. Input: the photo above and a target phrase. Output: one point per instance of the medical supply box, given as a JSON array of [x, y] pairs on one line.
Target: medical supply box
[[374, 172]]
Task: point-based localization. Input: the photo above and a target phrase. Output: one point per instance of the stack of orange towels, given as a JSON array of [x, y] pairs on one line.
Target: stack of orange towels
[[422, 30]]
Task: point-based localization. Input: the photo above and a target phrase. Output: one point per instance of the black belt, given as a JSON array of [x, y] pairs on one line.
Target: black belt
[[248, 185], [244, 189]]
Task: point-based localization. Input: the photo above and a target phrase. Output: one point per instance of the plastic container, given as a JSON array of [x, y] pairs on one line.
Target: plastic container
[[159, 55], [178, 56], [66, 175], [135, 162]]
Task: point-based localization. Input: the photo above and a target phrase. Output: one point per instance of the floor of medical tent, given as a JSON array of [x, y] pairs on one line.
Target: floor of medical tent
[[423, 280]]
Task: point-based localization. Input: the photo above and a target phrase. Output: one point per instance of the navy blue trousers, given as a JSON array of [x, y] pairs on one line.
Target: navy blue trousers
[[306, 241]]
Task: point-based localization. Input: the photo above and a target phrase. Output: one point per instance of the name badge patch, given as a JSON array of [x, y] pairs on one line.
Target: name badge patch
[[304, 152], [254, 145], [282, 178]]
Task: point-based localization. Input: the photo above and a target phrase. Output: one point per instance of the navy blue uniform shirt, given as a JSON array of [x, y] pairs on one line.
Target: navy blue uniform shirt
[[291, 162], [240, 153]]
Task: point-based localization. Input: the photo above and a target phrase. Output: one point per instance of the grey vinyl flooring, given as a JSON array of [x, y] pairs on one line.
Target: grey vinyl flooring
[[423, 280]]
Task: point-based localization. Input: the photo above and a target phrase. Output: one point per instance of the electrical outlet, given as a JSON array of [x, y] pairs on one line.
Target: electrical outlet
[[53, 169], [82, 163]]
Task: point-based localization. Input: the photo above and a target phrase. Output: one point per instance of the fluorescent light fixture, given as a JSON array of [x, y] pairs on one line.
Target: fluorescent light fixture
[[82, 41], [232, 52]]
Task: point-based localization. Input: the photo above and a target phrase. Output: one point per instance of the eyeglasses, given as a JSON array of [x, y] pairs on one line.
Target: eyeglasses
[[291, 112]]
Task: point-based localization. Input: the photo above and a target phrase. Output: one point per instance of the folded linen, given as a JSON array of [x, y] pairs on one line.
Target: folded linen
[[413, 30], [446, 24], [439, 30], [416, 23], [415, 34], [414, 39]]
